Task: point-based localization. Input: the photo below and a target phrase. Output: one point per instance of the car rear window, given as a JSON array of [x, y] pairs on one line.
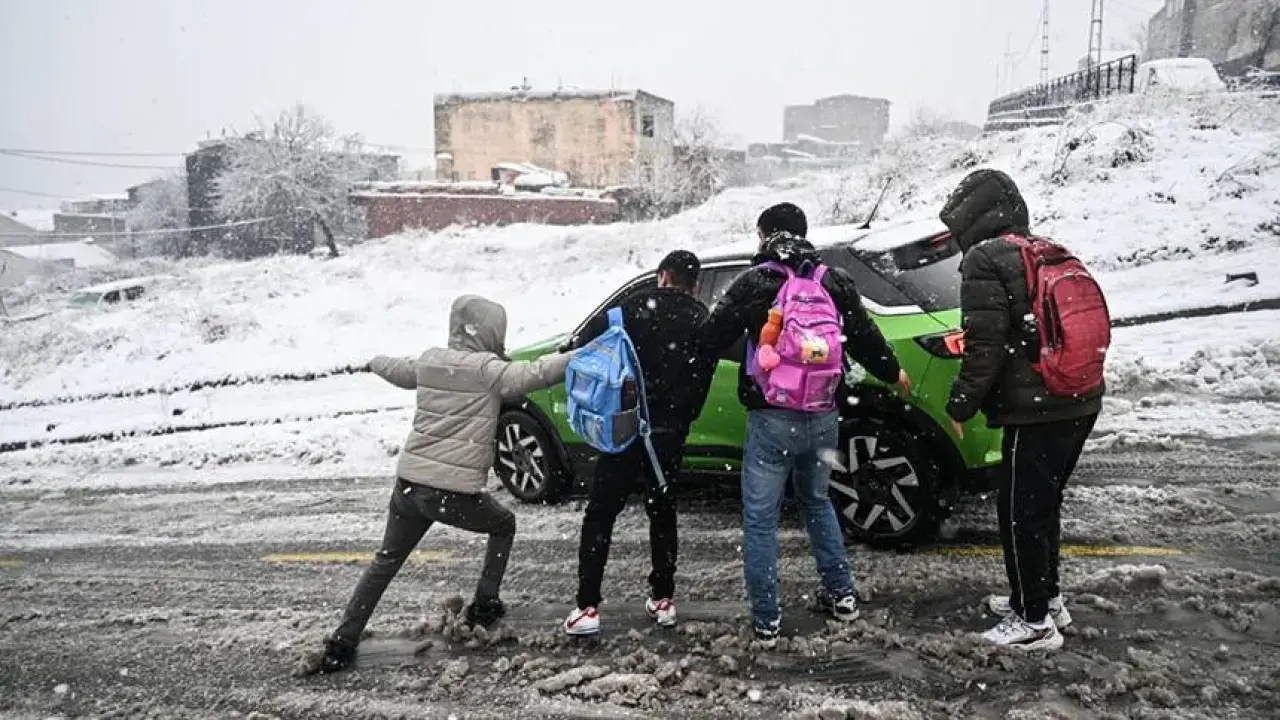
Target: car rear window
[[927, 271]]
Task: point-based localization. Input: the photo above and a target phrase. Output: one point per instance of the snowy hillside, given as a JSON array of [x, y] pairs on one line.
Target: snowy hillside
[[1162, 202]]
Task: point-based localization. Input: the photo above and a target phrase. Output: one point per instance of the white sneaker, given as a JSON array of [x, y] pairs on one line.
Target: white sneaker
[[582, 621], [999, 605], [1013, 631], [662, 611]]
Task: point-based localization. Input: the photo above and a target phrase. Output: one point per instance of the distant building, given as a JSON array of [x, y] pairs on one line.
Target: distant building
[[66, 255], [599, 138], [846, 119], [1235, 35], [14, 231], [16, 269]]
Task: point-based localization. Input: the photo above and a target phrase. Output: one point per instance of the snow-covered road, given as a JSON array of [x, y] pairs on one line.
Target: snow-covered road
[[190, 600]]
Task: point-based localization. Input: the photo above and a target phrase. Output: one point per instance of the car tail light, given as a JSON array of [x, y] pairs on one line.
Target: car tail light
[[944, 345]]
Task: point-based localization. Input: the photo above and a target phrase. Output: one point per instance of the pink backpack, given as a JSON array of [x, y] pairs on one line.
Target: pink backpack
[[810, 348]]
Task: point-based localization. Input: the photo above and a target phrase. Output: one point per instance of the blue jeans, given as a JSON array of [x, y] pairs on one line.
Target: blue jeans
[[782, 444]]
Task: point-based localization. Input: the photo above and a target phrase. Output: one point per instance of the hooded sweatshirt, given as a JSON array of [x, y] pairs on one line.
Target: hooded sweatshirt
[[996, 376], [744, 309], [461, 390]]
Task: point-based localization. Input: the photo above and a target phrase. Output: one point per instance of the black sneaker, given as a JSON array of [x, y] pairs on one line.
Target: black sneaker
[[485, 612], [843, 607], [767, 632], [336, 657]]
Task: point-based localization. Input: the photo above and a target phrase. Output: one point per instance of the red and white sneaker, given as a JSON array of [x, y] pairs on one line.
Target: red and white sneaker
[[662, 611], [582, 621]]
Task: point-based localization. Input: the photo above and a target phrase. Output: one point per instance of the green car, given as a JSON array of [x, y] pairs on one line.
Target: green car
[[902, 466]]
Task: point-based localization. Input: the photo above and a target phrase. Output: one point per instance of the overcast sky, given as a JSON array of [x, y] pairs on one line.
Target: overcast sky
[[155, 76]]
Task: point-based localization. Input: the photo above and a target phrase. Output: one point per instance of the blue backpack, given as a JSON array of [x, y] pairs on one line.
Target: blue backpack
[[595, 382]]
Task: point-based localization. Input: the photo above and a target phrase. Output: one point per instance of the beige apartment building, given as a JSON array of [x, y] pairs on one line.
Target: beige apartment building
[[600, 138]]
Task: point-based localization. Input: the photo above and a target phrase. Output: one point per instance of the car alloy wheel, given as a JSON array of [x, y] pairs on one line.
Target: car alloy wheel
[[524, 459], [884, 490]]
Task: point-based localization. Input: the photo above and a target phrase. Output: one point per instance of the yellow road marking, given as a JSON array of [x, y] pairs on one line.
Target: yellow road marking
[[1067, 550], [10, 564], [349, 557]]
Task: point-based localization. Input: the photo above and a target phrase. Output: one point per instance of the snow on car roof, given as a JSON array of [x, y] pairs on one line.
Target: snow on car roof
[[122, 284], [877, 239], [895, 236]]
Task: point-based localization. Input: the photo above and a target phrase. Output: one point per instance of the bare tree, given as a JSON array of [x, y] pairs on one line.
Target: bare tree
[[161, 214], [927, 122], [698, 168], [1139, 40], [293, 173]]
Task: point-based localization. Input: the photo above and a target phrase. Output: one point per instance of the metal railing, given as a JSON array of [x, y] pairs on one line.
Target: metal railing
[[1109, 78]]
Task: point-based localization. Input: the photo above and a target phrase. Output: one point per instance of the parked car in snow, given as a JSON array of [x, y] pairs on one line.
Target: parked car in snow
[[1179, 75], [113, 292], [903, 465]]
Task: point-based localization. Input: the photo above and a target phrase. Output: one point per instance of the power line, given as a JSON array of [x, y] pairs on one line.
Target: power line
[[240, 223], [33, 193], [84, 153], [66, 161]]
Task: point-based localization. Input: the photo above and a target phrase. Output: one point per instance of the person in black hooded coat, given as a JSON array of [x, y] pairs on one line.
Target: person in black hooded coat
[[1043, 434]]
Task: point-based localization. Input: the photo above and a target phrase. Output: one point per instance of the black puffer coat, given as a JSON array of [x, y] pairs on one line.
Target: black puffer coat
[[744, 309], [995, 375]]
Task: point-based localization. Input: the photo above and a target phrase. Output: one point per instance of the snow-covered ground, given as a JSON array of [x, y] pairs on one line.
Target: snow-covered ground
[[1163, 202]]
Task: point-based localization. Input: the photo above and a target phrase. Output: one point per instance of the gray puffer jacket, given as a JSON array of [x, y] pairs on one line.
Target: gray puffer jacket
[[460, 394]]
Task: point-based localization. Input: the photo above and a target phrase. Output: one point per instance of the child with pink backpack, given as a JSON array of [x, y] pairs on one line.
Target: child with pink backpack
[[808, 315]]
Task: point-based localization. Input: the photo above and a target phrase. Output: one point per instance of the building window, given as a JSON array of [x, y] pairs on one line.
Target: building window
[[646, 125]]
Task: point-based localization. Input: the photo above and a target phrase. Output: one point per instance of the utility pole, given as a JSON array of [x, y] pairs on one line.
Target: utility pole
[[1007, 64], [1044, 46], [1095, 34]]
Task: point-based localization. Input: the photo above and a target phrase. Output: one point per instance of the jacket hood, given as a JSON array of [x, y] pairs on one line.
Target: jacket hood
[[477, 324], [788, 249], [985, 205]]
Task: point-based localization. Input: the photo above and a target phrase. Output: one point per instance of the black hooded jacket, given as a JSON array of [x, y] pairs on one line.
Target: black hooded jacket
[[996, 376], [664, 324], [744, 309]]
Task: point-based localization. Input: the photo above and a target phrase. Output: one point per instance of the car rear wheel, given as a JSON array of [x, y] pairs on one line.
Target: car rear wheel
[[526, 460], [886, 491]]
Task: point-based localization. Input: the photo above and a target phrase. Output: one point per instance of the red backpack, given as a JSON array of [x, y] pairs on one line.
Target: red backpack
[[1071, 316]]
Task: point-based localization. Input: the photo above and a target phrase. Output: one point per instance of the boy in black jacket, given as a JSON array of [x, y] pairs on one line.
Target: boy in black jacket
[[664, 324], [783, 443]]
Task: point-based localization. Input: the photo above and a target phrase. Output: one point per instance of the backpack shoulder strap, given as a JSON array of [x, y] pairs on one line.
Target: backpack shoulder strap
[[819, 272], [645, 426], [615, 317], [778, 267]]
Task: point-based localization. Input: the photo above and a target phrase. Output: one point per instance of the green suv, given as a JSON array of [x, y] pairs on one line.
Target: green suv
[[902, 467]]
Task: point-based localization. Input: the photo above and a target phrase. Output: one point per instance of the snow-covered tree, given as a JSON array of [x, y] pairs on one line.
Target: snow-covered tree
[[697, 169], [294, 174], [160, 217]]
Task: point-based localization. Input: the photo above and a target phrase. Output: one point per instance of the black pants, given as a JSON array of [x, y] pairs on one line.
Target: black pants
[[615, 478], [1038, 461], [414, 508]]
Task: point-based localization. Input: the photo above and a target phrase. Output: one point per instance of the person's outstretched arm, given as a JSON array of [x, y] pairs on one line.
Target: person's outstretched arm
[[514, 379], [865, 343], [397, 371], [728, 319]]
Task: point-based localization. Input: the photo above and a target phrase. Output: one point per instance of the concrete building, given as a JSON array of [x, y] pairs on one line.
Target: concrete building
[[600, 138], [845, 119], [1235, 35], [17, 229]]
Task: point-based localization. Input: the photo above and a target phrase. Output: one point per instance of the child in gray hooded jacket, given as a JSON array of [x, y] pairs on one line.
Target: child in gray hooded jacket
[[445, 461]]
